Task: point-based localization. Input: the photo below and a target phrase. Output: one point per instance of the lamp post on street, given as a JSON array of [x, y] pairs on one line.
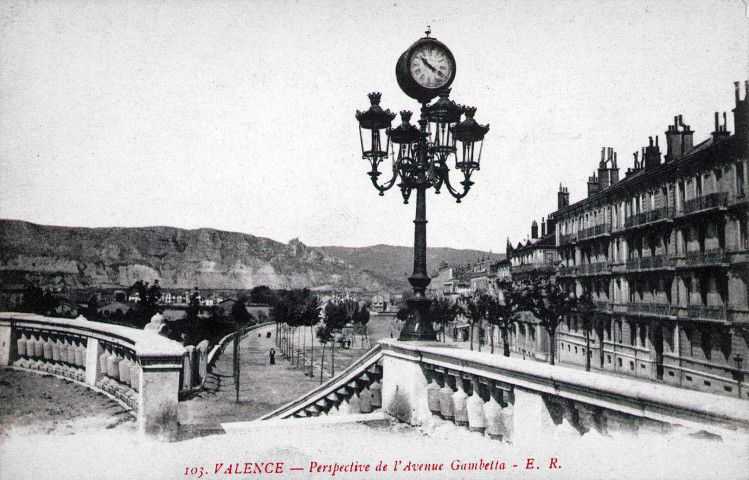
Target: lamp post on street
[[422, 154]]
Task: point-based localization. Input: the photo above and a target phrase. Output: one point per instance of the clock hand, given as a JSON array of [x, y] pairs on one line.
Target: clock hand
[[428, 64]]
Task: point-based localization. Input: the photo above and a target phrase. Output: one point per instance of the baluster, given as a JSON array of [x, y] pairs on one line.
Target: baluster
[[38, 347], [125, 371], [354, 404], [344, 408], [376, 390], [56, 357], [433, 394], [80, 354], [22, 340], [475, 407], [365, 401], [508, 423], [493, 414], [446, 398], [113, 366], [47, 345], [69, 352], [460, 413], [103, 363], [135, 376]]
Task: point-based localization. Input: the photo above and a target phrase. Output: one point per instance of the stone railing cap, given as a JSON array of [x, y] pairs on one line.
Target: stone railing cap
[[145, 343], [636, 390]]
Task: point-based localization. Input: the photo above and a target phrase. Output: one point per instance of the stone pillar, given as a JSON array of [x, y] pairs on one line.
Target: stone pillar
[[7, 345], [93, 367], [531, 416], [404, 395], [187, 368], [158, 393]]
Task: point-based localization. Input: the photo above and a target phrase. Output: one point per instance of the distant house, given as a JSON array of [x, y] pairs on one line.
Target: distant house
[[113, 308], [67, 309], [11, 296], [380, 302]]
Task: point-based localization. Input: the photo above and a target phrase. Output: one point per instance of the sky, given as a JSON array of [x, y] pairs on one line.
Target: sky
[[240, 115]]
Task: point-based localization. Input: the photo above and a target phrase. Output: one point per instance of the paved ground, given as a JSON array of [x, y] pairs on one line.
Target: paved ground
[[34, 403], [263, 387], [127, 456]]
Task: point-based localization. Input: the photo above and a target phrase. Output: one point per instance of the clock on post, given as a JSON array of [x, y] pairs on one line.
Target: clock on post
[[426, 68]]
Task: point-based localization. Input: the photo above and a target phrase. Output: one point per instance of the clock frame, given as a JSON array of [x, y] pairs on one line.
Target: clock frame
[[405, 78]]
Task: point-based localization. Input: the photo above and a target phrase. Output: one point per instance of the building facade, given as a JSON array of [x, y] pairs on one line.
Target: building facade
[[664, 252]]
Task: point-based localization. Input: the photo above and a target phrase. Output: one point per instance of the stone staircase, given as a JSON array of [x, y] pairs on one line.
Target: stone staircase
[[356, 390]]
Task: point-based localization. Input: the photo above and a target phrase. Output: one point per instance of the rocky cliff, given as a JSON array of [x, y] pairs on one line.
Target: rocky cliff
[[76, 257]]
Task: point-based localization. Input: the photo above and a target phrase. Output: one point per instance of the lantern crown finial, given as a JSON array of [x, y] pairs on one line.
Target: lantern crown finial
[[406, 116], [374, 98], [469, 111], [375, 117]]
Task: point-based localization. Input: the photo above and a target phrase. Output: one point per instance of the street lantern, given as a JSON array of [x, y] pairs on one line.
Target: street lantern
[[443, 115], [469, 133], [377, 121], [424, 71]]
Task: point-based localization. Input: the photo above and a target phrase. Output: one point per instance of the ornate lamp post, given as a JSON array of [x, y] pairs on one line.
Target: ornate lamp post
[[421, 156]]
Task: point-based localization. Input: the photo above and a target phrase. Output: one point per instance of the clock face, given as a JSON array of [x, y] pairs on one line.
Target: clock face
[[430, 66]]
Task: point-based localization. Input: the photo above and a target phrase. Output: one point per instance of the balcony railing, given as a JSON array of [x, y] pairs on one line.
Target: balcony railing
[[602, 306], [662, 309], [644, 218], [594, 268], [532, 267], [705, 202], [706, 312], [567, 271], [706, 257], [594, 231], [656, 262], [567, 239]]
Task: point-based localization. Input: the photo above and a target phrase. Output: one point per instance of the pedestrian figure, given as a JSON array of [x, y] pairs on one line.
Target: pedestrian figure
[[267, 334], [272, 356]]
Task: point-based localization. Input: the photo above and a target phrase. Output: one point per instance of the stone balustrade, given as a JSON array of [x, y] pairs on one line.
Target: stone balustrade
[[516, 400], [357, 389], [141, 368]]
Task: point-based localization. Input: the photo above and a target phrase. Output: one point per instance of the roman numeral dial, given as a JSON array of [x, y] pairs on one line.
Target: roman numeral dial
[[430, 67]]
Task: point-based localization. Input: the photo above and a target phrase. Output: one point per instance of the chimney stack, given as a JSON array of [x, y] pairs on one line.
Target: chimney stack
[[652, 154], [551, 224], [608, 173], [543, 228], [563, 197], [687, 138], [534, 230], [593, 185], [673, 141], [721, 131], [741, 113]]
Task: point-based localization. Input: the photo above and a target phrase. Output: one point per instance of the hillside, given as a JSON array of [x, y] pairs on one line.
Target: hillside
[[396, 263], [78, 257]]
